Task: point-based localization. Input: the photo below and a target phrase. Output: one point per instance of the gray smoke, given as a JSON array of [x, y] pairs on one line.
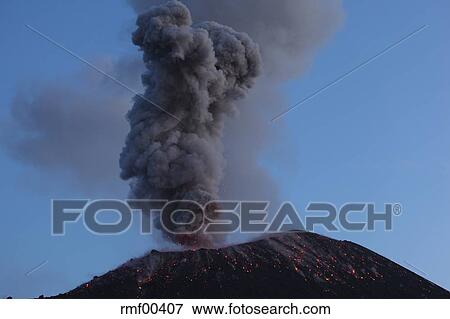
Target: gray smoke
[[73, 130], [196, 73], [289, 33], [77, 124]]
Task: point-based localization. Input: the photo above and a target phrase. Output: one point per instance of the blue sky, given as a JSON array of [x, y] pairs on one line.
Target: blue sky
[[381, 135]]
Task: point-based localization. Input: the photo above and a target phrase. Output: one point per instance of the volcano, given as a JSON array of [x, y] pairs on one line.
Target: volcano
[[288, 265]]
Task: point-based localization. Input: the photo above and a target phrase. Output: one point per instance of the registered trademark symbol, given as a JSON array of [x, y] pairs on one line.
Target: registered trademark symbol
[[397, 209]]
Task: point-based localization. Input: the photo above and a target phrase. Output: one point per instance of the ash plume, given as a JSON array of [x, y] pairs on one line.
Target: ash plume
[[64, 129], [196, 72], [73, 130], [289, 33]]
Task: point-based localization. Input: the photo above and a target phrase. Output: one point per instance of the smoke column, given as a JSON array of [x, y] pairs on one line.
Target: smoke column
[[196, 73], [63, 130], [289, 33]]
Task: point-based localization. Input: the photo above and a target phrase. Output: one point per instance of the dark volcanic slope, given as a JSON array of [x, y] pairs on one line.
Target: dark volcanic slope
[[291, 265]]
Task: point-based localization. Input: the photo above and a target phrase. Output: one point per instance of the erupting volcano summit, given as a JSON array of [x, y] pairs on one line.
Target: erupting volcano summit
[[290, 265]]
